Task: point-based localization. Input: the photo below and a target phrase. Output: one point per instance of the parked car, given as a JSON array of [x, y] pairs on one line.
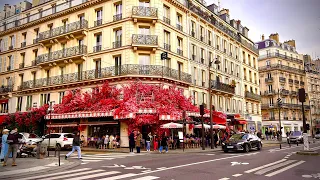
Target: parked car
[[296, 136], [30, 139], [242, 142], [59, 140], [317, 136]]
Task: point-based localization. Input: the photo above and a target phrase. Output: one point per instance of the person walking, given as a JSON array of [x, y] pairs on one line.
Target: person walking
[[155, 143], [13, 141], [75, 146], [215, 139], [106, 142], [4, 144], [164, 143], [131, 141], [148, 140], [138, 141]]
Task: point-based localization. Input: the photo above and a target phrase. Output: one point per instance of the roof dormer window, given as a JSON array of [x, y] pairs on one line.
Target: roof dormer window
[[267, 43]]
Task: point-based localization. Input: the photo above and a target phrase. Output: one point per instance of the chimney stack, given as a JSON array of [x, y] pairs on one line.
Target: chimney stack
[[274, 37], [291, 43], [262, 37]]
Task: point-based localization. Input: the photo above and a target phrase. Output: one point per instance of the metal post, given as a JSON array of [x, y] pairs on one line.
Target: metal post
[[210, 106], [59, 155], [183, 132], [280, 133], [304, 119], [311, 130], [49, 128], [203, 148]]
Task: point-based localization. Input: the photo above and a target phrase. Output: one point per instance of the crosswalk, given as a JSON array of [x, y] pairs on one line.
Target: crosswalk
[[87, 158], [89, 173], [275, 168]]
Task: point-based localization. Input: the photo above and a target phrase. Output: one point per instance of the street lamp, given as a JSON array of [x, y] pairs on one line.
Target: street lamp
[[216, 62], [50, 109], [279, 105]]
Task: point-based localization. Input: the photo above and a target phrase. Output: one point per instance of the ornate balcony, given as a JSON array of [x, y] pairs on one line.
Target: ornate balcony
[[166, 20], [5, 89], [269, 93], [296, 82], [72, 53], [281, 68], [180, 52], [252, 96], [222, 88], [269, 80], [282, 79], [97, 48], [116, 44], [140, 13], [290, 81], [282, 56], [63, 32], [167, 46], [285, 92], [131, 70], [117, 17], [294, 93], [144, 41], [98, 22], [179, 27]]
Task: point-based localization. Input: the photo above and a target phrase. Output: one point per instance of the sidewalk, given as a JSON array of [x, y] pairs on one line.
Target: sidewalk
[[28, 166]]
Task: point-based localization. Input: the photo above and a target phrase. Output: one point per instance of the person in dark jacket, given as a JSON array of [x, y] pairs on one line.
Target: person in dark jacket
[[75, 145], [164, 143], [131, 141]]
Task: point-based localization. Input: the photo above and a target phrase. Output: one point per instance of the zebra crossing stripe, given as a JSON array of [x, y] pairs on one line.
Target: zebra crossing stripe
[[267, 165], [284, 169], [274, 167], [84, 157], [120, 176], [95, 175], [147, 178], [55, 174], [77, 174]]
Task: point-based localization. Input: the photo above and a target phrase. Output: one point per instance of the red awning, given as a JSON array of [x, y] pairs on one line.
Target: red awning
[[241, 121], [2, 117], [219, 117], [2, 101], [317, 125]]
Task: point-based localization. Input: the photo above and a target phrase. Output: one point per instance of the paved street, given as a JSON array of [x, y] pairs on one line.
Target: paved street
[[271, 162]]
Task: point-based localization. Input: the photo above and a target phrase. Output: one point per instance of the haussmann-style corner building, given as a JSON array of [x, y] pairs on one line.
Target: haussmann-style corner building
[[282, 73], [51, 46]]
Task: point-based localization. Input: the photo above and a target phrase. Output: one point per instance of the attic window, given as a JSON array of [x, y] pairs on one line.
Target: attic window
[[267, 43], [256, 46]]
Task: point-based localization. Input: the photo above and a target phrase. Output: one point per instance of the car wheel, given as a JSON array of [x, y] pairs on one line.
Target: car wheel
[[225, 151], [259, 146], [246, 148]]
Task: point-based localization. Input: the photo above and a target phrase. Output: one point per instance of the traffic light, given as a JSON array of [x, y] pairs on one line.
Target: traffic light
[[302, 95], [201, 109]]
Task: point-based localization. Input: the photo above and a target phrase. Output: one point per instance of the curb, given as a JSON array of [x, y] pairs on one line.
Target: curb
[[74, 163], [308, 153]]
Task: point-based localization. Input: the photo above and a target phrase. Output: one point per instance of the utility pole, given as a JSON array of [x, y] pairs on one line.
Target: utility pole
[[279, 106]]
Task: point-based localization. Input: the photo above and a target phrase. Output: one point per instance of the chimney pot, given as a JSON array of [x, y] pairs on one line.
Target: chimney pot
[[262, 37]]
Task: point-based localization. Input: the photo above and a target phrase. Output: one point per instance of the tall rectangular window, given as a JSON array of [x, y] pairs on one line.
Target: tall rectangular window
[[79, 67], [179, 22], [29, 103], [117, 64], [61, 95], [167, 45], [19, 103], [98, 68], [118, 9], [118, 38], [166, 14]]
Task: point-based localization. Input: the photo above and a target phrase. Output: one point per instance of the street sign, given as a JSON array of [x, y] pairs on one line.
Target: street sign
[[164, 55], [279, 100]]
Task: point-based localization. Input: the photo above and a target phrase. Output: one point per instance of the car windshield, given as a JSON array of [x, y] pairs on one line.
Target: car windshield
[[30, 135], [296, 133], [239, 136]]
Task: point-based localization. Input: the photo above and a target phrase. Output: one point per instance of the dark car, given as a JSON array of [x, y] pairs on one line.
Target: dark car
[[296, 136], [242, 142]]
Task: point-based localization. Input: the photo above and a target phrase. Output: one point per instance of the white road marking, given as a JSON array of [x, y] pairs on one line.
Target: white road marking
[[54, 174], [95, 158], [274, 167], [89, 160], [95, 175], [237, 175], [307, 176], [147, 178], [267, 165], [224, 178], [67, 174], [19, 171], [120, 176], [210, 154], [284, 169]]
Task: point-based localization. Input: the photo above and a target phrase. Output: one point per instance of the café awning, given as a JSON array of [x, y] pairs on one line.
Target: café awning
[[75, 115]]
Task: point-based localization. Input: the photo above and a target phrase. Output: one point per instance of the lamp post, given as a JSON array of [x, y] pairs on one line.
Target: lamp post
[[216, 62], [50, 109], [279, 105], [311, 107]]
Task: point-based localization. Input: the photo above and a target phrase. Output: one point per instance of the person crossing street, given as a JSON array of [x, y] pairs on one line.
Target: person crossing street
[[75, 146]]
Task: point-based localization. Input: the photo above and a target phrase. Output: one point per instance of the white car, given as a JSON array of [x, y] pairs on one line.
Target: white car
[[59, 140], [30, 139], [317, 136]]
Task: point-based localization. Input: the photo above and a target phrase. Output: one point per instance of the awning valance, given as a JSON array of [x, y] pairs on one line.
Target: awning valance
[[241, 121], [75, 115], [62, 125], [2, 117], [3, 101]]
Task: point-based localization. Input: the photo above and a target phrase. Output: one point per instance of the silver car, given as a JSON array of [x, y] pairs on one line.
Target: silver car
[[296, 136], [30, 139]]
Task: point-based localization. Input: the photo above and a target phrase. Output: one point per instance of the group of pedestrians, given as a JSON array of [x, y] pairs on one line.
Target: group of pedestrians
[[135, 141], [9, 146]]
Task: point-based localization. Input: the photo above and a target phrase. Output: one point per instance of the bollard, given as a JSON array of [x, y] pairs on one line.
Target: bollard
[[59, 155]]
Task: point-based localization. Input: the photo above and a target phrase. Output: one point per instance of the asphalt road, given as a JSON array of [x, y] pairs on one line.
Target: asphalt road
[[269, 163]]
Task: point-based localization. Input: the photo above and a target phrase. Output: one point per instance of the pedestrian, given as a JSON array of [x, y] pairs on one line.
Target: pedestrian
[[164, 143], [155, 143], [4, 144], [131, 141], [148, 140], [259, 134], [75, 145], [106, 142], [216, 139], [13, 141], [138, 141]]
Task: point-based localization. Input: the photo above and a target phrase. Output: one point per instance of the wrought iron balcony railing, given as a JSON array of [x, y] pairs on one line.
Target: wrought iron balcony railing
[[113, 71], [117, 17], [36, 40], [5, 89], [167, 46], [296, 82], [142, 39], [98, 22], [64, 53], [222, 87], [75, 26], [34, 62], [9, 68], [282, 79], [97, 48], [21, 65], [251, 95], [290, 81], [145, 11], [271, 55], [285, 92], [294, 93], [116, 44], [179, 27], [179, 51], [166, 20], [301, 83], [23, 44], [269, 80], [269, 92], [281, 67]]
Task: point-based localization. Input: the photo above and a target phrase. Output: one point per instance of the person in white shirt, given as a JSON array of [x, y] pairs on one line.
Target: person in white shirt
[[106, 142]]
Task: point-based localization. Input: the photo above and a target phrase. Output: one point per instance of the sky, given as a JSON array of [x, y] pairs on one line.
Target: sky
[[291, 19]]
